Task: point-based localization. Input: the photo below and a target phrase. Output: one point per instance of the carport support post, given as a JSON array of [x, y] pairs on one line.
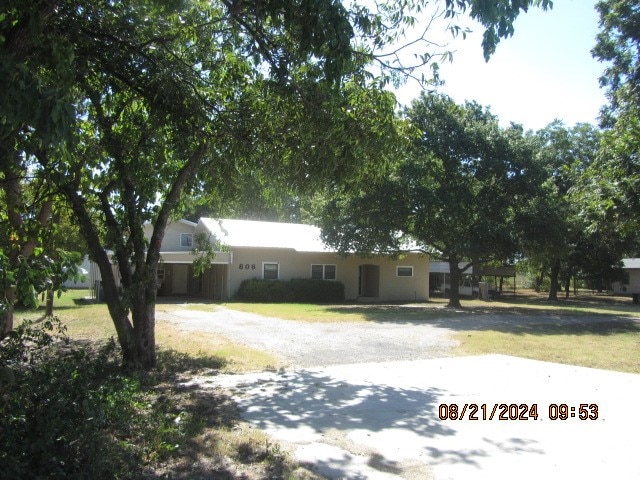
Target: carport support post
[[444, 284]]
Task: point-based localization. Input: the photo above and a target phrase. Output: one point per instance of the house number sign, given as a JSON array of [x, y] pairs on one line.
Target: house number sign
[[246, 266]]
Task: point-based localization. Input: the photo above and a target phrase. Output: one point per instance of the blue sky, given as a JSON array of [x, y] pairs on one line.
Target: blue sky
[[545, 71]]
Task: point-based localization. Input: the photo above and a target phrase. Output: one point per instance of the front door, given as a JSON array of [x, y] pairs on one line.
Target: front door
[[369, 281]]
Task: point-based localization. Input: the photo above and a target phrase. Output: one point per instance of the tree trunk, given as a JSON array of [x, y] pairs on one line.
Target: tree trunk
[[454, 279], [6, 320], [142, 344], [48, 312], [540, 279], [553, 288], [136, 335], [139, 344]]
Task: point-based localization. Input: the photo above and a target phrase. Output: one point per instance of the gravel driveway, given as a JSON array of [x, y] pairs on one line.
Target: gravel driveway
[[307, 344], [311, 344]]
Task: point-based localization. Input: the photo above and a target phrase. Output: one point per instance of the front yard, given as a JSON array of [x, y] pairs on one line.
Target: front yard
[[180, 432], [611, 342]]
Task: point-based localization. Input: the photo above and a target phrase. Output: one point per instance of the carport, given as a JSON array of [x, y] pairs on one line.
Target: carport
[[495, 273]]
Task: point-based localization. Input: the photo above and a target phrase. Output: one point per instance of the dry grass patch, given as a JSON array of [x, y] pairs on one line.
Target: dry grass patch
[[609, 345], [91, 321], [235, 358]]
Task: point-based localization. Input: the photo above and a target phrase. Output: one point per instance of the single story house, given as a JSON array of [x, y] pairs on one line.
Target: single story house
[[281, 251], [631, 284]]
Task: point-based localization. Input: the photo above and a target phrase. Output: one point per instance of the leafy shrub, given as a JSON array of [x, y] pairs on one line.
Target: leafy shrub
[[58, 405], [264, 291], [297, 290], [317, 291], [68, 411]]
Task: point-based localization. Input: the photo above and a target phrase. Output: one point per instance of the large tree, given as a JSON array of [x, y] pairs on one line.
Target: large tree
[[553, 228], [618, 44], [455, 193], [127, 105], [615, 177]]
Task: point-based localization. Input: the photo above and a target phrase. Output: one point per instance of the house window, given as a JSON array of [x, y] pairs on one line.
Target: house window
[[329, 272], [317, 272], [161, 274], [404, 271], [270, 271], [323, 272], [186, 239]]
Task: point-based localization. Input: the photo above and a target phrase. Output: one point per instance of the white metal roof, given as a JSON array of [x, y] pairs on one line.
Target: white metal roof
[[631, 262], [257, 234]]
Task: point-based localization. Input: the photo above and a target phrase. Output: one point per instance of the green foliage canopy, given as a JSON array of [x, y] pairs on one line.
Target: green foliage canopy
[[455, 192], [615, 177]]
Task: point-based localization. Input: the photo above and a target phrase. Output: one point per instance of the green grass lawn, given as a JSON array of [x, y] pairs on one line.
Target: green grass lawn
[[607, 345]]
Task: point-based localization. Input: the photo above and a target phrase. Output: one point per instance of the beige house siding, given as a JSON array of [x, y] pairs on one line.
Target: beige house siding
[[365, 279], [248, 263], [628, 288], [632, 286], [634, 281], [172, 235]]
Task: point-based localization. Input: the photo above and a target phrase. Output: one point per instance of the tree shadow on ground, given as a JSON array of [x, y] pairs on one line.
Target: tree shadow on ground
[[511, 319], [310, 405], [322, 402]]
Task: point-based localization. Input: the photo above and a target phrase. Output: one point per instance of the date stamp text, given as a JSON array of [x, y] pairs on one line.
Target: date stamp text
[[516, 411]]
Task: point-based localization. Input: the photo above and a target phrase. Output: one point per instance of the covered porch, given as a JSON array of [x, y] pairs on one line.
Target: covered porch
[[177, 277]]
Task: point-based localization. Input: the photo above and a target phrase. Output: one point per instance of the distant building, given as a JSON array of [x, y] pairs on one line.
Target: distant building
[[631, 284]]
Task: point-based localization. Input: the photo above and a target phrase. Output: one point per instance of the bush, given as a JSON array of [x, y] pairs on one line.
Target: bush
[[57, 407], [72, 412], [264, 291], [297, 290]]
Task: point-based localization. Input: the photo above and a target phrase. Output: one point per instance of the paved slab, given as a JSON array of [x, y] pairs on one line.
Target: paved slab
[[381, 420]]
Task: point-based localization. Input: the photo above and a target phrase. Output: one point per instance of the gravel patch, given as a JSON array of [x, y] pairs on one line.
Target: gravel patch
[[317, 344], [306, 344]]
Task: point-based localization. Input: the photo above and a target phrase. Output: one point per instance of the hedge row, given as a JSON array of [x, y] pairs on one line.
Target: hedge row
[[297, 290]]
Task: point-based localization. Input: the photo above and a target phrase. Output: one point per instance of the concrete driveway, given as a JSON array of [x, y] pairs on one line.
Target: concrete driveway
[[354, 418]]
